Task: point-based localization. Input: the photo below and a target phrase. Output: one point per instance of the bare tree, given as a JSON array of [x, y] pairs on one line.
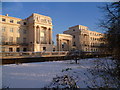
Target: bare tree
[[111, 23]]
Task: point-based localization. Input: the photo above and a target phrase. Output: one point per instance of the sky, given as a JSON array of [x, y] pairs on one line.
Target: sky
[[63, 14]]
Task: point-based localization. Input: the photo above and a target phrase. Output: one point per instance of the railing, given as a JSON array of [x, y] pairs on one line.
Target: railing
[[53, 54], [33, 54], [13, 43]]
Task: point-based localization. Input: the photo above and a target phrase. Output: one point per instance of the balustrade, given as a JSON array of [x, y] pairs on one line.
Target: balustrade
[[33, 54]]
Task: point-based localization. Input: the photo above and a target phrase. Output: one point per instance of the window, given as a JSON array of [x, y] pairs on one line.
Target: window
[[91, 49], [74, 44], [11, 21], [18, 22], [3, 19], [3, 49], [63, 45], [91, 38], [53, 49], [73, 29], [44, 48], [18, 30], [17, 49], [24, 40], [18, 40], [3, 38], [73, 36], [24, 23], [11, 39], [3, 29], [90, 44], [24, 49], [24, 31], [96, 49], [11, 29], [10, 49]]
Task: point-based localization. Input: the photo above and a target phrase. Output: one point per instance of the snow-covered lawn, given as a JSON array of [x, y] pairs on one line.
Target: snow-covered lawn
[[41, 74]]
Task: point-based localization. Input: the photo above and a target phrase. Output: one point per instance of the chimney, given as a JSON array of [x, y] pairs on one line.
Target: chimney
[[6, 15]]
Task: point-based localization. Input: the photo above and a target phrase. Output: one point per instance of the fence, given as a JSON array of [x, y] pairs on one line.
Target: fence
[[33, 54]]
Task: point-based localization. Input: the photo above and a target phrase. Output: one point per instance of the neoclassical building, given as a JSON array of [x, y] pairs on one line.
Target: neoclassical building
[[64, 42], [31, 34], [35, 34], [86, 40]]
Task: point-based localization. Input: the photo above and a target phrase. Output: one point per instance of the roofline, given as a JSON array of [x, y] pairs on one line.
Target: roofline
[[77, 26], [39, 15], [64, 34], [11, 17]]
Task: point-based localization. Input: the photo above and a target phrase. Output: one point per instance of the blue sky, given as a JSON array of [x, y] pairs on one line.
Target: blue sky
[[63, 14]]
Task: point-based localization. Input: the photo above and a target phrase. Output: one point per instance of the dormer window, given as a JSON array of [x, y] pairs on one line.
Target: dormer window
[[3, 19], [11, 21], [24, 23], [18, 22], [73, 29]]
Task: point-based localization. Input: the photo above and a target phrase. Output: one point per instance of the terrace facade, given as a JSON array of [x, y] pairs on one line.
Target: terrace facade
[[64, 42], [86, 40], [31, 34]]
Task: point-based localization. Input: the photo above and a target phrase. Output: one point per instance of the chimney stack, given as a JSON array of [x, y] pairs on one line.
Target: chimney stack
[[6, 15]]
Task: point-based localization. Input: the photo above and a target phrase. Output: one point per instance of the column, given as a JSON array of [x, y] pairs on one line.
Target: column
[[34, 41], [68, 45], [39, 35], [60, 45], [51, 36], [47, 36], [34, 34]]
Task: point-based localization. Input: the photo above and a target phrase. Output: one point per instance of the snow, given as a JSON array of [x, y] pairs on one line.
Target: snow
[[41, 74]]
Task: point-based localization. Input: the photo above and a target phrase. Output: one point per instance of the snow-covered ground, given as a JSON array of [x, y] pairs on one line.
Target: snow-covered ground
[[41, 74]]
